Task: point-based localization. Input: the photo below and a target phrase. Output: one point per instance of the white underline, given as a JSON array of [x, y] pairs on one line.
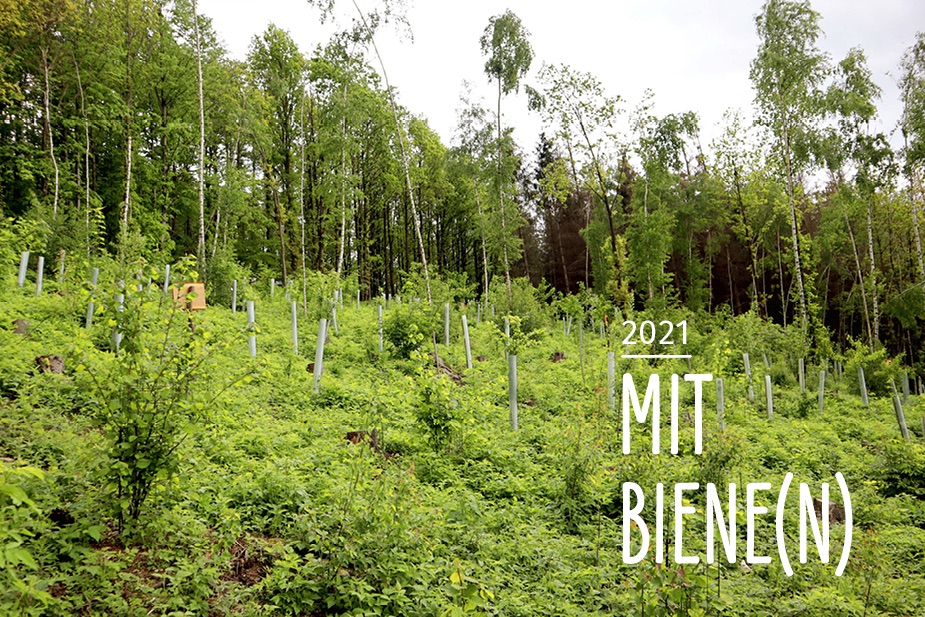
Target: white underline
[[664, 357]]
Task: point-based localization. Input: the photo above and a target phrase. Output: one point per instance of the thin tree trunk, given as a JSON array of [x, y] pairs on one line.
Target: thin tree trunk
[[127, 204], [752, 251], [202, 146], [218, 227], [51, 138], [404, 154], [507, 268], [83, 112], [600, 180], [478, 203], [798, 270], [873, 277], [857, 262], [915, 222], [302, 204], [784, 295], [343, 189], [571, 157], [268, 171], [645, 212], [128, 182]]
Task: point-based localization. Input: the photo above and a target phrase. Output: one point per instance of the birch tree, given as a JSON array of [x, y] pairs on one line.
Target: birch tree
[[787, 74], [505, 43], [912, 123]]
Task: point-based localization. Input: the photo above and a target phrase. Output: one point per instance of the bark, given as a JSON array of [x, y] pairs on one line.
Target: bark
[[857, 262], [404, 154], [343, 189], [794, 231], [202, 146], [302, 205], [507, 268], [873, 277], [752, 256], [127, 203], [83, 112], [51, 138], [915, 223], [478, 203]]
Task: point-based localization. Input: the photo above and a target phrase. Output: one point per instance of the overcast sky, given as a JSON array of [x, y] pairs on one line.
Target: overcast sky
[[693, 54]]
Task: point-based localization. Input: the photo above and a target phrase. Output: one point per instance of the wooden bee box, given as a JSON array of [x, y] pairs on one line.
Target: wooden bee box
[[181, 299]]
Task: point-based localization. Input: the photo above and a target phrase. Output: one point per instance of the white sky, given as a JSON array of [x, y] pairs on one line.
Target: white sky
[[694, 55]]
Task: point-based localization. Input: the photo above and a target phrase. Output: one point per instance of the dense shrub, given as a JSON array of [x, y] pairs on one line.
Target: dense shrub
[[406, 326]]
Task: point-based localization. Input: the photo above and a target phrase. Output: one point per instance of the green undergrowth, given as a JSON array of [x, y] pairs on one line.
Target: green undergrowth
[[261, 505]]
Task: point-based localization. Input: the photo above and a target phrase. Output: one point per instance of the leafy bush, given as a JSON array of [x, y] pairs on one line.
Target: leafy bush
[[220, 273], [902, 469], [527, 302], [579, 460], [437, 412], [406, 326], [448, 287], [19, 521], [879, 370], [149, 403]]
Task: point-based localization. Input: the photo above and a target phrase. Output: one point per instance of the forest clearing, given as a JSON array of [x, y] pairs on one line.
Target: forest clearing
[[270, 344], [181, 475]]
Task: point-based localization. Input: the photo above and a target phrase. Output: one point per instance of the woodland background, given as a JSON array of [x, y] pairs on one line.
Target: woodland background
[[126, 129]]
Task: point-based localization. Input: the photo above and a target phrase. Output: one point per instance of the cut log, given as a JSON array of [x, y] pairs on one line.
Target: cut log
[[50, 364], [444, 368]]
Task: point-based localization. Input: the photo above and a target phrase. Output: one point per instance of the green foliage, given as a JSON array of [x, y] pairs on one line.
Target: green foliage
[[664, 591], [721, 455], [438, 411], [528, 303], [451, 287], [220, 273], [469, 596], [907, 307], [519, 339], [509, 53], [148, 402], [18, 235], [406, 326], [19, 522], [264, 507], [879, 370], [578, 493], [901, 469], [800, 404]]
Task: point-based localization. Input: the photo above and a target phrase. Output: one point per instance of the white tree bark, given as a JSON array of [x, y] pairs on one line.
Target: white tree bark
[[51, 137], [202, 145], [404, 154]]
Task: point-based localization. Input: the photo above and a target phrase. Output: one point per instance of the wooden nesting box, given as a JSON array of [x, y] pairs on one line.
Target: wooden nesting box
[[197, 303]]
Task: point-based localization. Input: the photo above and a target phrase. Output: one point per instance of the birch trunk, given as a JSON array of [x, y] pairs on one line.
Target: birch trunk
[[873, 277], [83, 112], [794, 232], [507, 269], [202, 145], [857, 261], [51, 138], [404, 153]]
